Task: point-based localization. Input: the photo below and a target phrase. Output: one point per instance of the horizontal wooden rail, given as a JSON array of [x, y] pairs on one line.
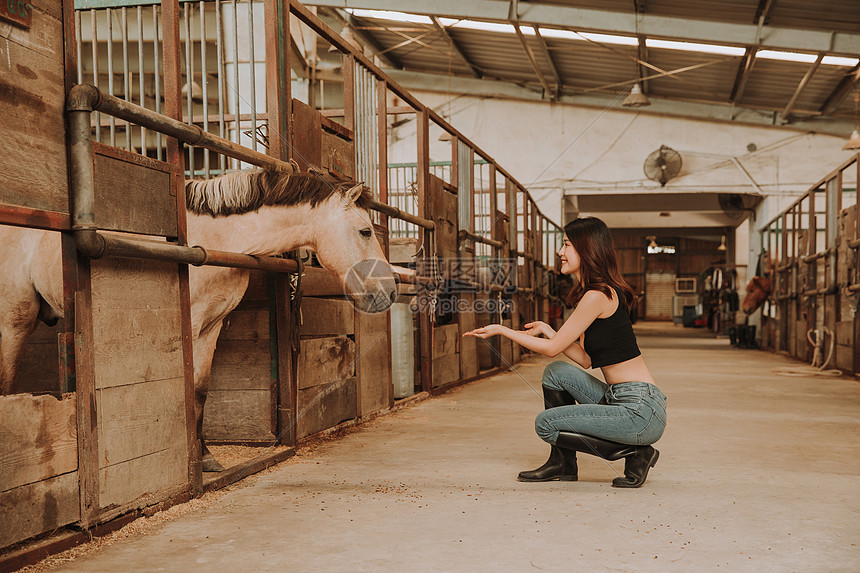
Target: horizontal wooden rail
[[464, 234]]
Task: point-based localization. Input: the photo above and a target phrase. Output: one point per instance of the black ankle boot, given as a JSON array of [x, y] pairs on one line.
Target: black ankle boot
[[560, 465], [636, 467], [639, 459]]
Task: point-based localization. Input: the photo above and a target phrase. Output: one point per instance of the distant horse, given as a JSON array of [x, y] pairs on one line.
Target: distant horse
[[252, 212], [759, 290]]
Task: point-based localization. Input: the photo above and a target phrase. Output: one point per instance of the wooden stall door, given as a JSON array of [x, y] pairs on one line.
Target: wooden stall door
[[242, 401], [446, 337], [139, 382]]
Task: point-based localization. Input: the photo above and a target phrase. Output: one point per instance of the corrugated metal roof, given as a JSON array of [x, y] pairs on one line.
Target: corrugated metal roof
[[585, 67]]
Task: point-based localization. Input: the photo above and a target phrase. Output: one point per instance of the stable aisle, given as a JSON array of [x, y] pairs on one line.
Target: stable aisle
[[757, 472]]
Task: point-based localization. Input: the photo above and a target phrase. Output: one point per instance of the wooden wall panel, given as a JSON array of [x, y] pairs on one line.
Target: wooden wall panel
[[446, 359], [38, 507], [133, 193], [324, 360], [32, 96], [137, 322], [374, 362], [327, 317], [39, 439], [39, 369], [445, 215], [138, 419], [139, 381], [326, 405], [241, 403], [467, 320]]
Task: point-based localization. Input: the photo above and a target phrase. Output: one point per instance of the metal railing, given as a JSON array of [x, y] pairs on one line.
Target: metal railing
[[120, 50]]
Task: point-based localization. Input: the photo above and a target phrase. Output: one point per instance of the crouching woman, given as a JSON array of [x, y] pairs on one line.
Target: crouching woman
[[616, 419]]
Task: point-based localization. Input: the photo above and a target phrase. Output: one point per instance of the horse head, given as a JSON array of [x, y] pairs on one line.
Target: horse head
[[348, 247], [758, 291]]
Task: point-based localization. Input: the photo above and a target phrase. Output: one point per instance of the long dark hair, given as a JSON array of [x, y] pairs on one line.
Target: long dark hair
[[598, 267]]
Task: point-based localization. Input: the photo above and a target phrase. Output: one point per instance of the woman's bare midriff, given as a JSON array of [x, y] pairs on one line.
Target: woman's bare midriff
[[633, 370]]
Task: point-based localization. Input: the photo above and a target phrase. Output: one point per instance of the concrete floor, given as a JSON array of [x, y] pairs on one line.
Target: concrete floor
[[758, 472]]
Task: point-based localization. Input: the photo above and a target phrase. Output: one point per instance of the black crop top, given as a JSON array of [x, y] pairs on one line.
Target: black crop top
[[611, 340]]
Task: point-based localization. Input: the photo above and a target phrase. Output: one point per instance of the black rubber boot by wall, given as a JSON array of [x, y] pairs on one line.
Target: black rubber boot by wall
[[560, 465]]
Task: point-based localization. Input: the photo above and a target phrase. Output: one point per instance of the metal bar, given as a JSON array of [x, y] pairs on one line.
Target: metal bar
[[140, 73], [252, 71], [155, 44], [189, 77], [78, 46], [464, 234], [203, 84], [126, 82], [187, 133], [219, 30], [109, 14], [402, 215], [95, 60], [238, 126], [382, 146], [81, 103]]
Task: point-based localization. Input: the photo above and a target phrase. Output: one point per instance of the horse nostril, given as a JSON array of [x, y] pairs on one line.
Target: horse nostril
[[393, 296]]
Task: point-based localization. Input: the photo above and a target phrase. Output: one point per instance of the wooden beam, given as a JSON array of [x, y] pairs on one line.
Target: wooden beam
[[743, 74], [805, 80], [842, 89], [548, 56], [455, 48], [368, 40], [530, 53]]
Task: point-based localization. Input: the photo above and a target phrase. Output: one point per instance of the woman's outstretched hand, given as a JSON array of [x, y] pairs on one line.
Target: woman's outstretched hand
[[485, 331], [537, 328]]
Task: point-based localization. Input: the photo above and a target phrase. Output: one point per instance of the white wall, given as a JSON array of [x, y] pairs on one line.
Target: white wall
[[557, 149]]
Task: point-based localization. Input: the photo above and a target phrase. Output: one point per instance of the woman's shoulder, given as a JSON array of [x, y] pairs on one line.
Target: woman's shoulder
[[594, 297]]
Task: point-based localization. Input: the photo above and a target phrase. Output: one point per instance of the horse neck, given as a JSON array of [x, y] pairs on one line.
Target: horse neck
[[269, 231]]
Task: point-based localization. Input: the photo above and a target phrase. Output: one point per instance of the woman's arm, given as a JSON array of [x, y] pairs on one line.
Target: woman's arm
[[589, 308], [575, 351]]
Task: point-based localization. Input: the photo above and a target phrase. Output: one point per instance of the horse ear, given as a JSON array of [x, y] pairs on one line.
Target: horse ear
[[352, 195]]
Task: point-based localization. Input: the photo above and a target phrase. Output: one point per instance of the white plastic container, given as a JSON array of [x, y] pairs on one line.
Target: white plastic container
[[402, 350]]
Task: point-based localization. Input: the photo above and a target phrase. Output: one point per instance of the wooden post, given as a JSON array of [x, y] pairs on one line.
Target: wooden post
[[277, 14], [349, 92], [173, 109], [382, 155], [85, 396], [425, 328]]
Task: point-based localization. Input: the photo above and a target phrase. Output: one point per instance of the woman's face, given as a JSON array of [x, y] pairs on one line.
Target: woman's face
[[569, 258]]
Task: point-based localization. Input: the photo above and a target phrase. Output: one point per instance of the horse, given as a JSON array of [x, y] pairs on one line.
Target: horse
[[758, 290], [255, 212]]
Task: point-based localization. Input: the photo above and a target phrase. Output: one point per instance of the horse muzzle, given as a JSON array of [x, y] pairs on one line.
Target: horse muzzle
[[370, 283]]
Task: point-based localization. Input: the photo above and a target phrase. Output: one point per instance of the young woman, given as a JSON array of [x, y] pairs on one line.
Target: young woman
[[617, 419]]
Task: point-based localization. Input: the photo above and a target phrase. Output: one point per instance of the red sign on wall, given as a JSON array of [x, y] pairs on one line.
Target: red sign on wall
[[18, 12]]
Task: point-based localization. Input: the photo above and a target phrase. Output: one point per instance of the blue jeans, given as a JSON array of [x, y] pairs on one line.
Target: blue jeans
[[631, 413]]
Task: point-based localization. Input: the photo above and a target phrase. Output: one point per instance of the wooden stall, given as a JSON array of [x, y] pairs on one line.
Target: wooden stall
[[39, 450], [809, 252], [114, 431]]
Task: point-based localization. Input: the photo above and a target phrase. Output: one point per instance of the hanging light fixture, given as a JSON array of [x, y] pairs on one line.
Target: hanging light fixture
[[653, 244], [722, 246], [636, 98], [854, 141]]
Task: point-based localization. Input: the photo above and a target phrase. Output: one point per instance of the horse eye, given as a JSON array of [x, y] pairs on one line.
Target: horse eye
[[366, 233]]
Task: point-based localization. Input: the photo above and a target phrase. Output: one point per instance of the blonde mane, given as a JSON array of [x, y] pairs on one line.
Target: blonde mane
[[247, 191]]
